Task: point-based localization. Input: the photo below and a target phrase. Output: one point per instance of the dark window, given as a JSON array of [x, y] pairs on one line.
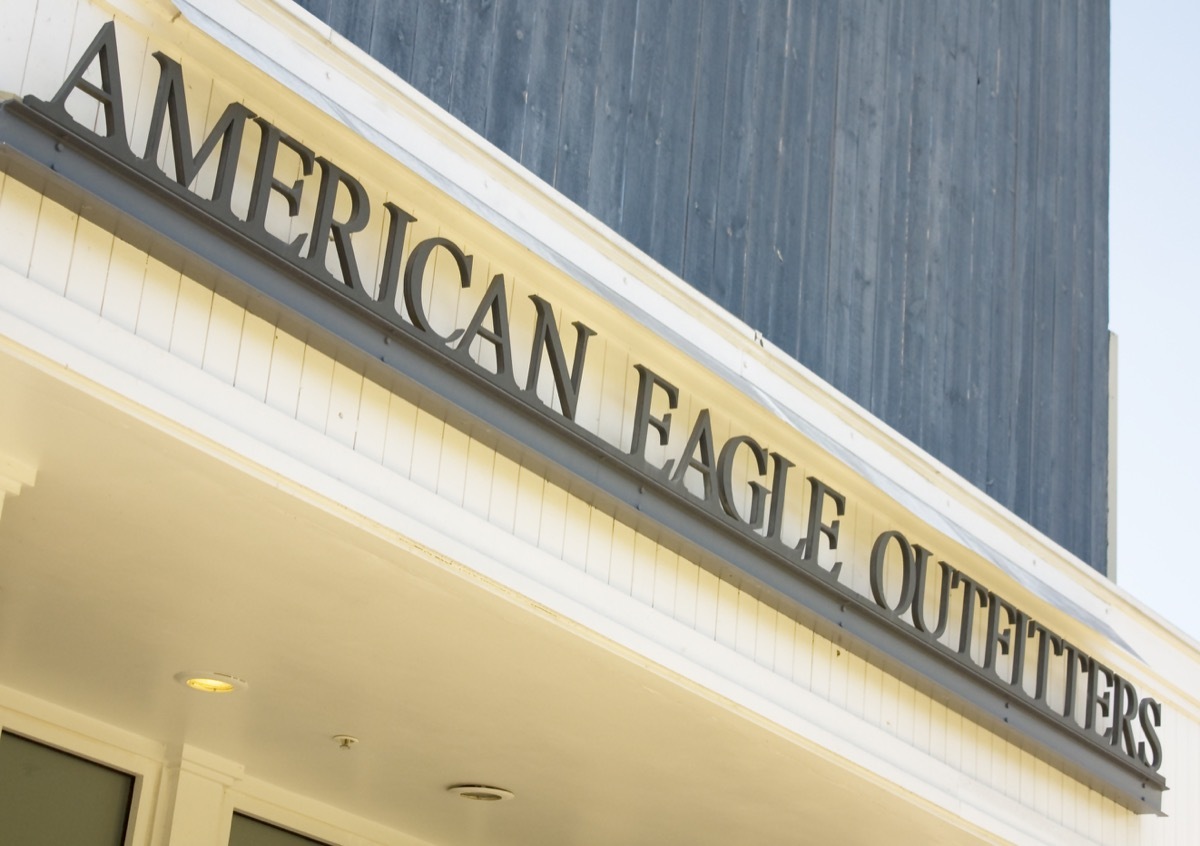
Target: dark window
[[51, 798], [247, 831]]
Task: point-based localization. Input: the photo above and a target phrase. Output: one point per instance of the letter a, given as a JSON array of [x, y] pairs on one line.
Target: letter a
[[108, 93]]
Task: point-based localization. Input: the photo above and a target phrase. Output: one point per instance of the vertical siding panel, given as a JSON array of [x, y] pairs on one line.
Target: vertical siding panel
[[505, 477], [578, 100], [530, 487], [666, 570], [765, 647], [16, 38], [600, 545], [370, 437], [802, 658], [481, 462], [575, 533], [473, 63], [286, 373], [610, 132], [726, 630], [526, 106], [708, 139], [784, 660], [394, 34], [707, 591], [433, 60], [49, 54], [123, 289], [922, 721], [687, 592], [20, 208], [734, 186], [509, 90], [822, 661], [223, 339], [355, 19], [49, 261], [620, 570], [553, 531], [156, 309], [89, 265], [872, 695], [427, 454], [452, 469], [345, 393], [316, 382], [254, 356], [643, 578], [673, 152], [190, 329], [746, 623], [856, 683], [758, 273]]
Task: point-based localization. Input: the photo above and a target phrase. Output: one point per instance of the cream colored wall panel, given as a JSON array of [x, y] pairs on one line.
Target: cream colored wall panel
[[726, 629], [452, 468], [527, 524], [156, 309], [687, 587], [15, 37], [316, 381], [123, 291], [224, 339], [642, 578], [190, 330], [708, 588], [481, 464], [51, 257], [620, 567], [576, 528], [427, 453], [89, 265], [552, 531], [285, 374], [19, 214], [599, 545], [856, 684], [345, 394], [370, 436], [255, 352], [505, 478], [666, 581], [49, 55]]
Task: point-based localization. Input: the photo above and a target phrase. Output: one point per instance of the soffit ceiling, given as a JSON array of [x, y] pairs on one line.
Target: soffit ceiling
[[137, 555]]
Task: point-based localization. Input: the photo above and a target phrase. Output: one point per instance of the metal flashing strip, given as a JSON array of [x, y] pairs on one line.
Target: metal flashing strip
[[115, 189]]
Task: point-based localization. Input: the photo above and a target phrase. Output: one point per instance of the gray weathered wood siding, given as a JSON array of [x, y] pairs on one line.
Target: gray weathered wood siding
[[909, 196]]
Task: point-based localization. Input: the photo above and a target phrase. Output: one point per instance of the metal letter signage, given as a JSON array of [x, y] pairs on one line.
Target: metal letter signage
[[925, 619]]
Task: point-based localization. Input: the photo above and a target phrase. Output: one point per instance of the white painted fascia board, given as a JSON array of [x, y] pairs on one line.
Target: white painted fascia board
[[307, 57]]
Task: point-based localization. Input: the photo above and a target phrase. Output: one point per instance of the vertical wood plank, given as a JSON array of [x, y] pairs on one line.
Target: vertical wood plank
[[123, 286], [255, 352]]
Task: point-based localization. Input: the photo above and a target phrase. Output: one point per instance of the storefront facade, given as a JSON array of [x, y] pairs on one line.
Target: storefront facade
[[455, 487]]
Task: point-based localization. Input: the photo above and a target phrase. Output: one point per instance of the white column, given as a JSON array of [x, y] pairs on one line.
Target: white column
[[194, 806]]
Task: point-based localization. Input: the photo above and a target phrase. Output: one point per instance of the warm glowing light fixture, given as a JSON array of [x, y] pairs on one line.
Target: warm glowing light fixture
[[208, 681]]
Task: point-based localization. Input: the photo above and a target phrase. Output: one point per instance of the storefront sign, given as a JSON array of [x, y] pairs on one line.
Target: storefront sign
[[923, 612]]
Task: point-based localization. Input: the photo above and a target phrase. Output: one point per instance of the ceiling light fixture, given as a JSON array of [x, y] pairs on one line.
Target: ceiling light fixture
[[480, 792], [208, 681]]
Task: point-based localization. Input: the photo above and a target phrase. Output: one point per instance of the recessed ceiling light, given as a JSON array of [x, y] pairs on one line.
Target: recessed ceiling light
[[208, 681], [480, 792]]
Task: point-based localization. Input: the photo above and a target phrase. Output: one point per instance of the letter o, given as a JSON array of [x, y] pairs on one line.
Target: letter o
[[878, 582]]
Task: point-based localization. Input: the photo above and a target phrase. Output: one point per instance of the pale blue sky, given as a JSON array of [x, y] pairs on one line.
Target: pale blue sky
[[1154, 232]]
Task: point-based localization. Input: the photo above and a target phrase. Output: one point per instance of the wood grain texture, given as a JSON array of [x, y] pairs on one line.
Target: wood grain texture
[[908, 196]]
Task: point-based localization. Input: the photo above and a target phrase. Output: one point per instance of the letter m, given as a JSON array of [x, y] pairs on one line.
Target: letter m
[[170, 104]]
